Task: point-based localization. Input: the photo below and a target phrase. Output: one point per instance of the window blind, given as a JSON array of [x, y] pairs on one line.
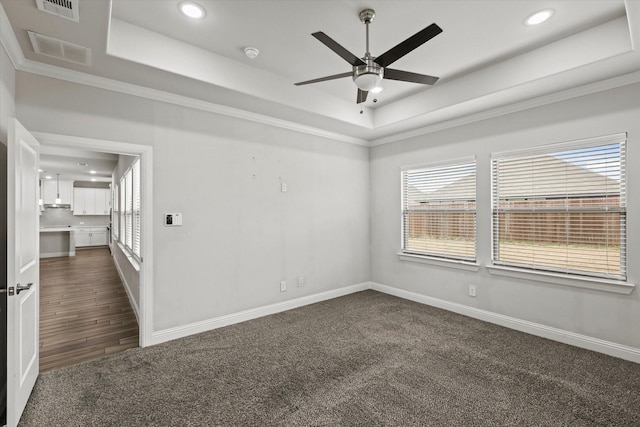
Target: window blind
[[135, 171], [439, 210], [123, 208], [128, 208], [115, 214], [562, 209]]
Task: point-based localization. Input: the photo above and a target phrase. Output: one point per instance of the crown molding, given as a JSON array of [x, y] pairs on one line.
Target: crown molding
[[170, 98], [600, 86]]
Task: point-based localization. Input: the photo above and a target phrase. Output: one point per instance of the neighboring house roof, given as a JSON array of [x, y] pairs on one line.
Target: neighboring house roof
[[580, 182]]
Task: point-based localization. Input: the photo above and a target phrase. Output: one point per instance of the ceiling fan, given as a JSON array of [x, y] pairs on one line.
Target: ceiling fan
[[369, 71]]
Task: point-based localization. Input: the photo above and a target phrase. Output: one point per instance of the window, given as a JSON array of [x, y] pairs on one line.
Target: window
[[115, 213], [562, 209], [135, 188], [129, 209], [123, 207], [439, 210]]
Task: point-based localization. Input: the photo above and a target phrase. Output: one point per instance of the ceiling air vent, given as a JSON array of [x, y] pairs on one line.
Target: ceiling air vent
[[65, 8], [55, 48]]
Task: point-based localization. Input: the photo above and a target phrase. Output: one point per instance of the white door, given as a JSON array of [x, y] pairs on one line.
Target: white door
[[23, 266]]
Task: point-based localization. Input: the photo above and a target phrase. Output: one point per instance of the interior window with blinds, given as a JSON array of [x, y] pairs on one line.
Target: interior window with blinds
[[115, 214], [135, 187], [439, 210], [129, 208], [562, 209]]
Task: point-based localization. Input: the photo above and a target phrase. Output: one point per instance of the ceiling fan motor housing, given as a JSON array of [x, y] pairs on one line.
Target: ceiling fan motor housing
[[367, 15]]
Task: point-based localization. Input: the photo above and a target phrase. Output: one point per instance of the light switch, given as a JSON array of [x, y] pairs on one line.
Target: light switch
[[172, 219], [283, 187]]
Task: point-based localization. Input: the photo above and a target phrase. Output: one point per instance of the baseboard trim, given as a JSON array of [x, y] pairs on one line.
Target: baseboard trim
[[583, 341], [56, 254], [132, 300], [254, 313]]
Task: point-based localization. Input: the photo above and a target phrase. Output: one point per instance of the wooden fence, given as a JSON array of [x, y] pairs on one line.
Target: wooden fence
[[543, 221]]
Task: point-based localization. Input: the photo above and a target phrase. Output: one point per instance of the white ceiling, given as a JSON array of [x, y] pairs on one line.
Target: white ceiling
[[76, 165], [486, 57]]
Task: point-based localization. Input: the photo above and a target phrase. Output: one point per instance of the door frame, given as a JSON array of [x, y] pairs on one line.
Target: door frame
[[146, 203]]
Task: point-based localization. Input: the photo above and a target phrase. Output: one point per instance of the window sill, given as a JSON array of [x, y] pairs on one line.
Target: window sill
[[605, 285], [440, 262], [132, 259]]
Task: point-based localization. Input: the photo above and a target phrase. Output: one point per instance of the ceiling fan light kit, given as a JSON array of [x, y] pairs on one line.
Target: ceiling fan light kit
[[368, 77], [369, 71]]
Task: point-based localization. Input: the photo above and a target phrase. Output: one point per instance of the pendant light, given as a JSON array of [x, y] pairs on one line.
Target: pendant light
[[58, 199]]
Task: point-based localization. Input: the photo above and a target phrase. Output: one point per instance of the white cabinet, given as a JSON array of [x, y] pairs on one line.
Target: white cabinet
[[83, 237], [103, 201], [99, 236], [91, 201], [91, 236], [50, 191], [84, 201]]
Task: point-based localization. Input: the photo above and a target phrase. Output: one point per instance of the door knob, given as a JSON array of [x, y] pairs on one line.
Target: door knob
[[20, 288]]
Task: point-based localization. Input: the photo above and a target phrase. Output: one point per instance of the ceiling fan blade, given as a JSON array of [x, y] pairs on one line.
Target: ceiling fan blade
[[362, 96], [337, 48], [400, 50], [406, 76], [322, 79]]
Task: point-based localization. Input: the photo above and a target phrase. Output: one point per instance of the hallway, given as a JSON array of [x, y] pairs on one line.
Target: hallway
[[84, 309]]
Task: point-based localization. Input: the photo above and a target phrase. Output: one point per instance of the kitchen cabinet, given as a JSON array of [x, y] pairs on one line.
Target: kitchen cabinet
[[99, 236], [91, 236], [83, 237], [91, 201], [50, 191], [103, 201]]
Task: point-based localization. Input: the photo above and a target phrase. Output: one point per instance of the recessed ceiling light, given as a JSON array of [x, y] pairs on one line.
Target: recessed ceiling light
[[251, 52], [539, 17], [48, 177], [92, 172], [192, 10], [93, 180]]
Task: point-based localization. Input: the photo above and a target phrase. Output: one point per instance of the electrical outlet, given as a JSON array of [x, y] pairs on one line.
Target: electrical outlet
[[283, 286], [472, 290], [283, 187], [300, 281]]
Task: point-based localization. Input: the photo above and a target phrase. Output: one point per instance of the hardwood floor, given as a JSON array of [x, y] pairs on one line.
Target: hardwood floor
[[84, 309]]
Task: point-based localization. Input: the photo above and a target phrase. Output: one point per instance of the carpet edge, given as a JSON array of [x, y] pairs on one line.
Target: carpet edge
[[610, 348], [170, 334]]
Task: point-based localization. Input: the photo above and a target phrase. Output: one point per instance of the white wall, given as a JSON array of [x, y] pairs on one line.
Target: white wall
[[241, 234], [597, 314], [7, 93]]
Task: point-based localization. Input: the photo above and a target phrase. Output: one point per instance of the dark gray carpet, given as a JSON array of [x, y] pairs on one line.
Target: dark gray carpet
[[367, 359]]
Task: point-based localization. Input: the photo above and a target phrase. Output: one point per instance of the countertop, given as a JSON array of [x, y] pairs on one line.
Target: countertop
[[68, 228]]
